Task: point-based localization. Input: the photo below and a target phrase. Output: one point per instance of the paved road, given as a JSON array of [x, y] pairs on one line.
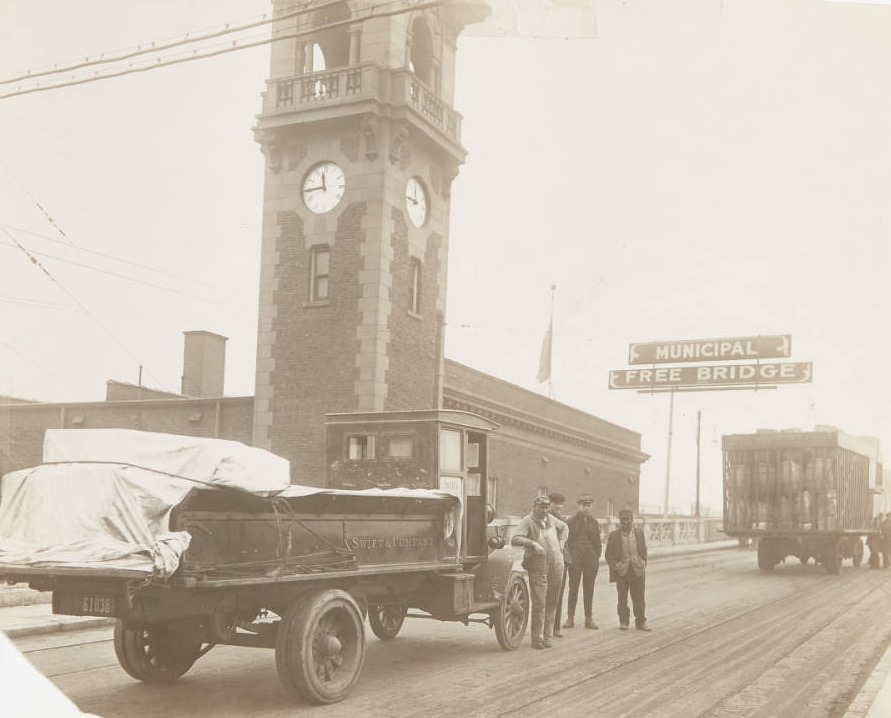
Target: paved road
[[728, 641]]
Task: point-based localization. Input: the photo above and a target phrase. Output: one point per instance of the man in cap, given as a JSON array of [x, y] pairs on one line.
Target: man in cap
[[542, 536], [626, 555], [583, 547]]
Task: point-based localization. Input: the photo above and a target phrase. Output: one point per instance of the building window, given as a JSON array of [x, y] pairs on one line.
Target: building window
[[360, 447], [318, 271], [414, 289], [449, 450], [399, 447]]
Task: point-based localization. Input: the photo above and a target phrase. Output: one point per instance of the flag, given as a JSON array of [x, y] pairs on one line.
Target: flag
[[544, 362]]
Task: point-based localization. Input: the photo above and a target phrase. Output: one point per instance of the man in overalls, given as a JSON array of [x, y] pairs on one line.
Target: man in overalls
[[542, 536]]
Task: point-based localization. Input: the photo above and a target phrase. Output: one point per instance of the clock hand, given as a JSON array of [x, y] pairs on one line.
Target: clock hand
[[313, 189], [324, 186]]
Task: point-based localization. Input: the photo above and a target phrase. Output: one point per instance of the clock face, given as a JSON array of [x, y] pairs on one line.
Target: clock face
[[416, 201], [323, 187]]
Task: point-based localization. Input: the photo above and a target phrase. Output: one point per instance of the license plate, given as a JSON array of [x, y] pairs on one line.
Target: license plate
[[86, 604]]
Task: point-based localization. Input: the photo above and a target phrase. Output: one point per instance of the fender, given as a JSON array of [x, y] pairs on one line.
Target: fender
[[492, 574]]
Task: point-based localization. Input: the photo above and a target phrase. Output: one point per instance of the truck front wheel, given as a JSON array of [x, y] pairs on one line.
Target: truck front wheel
[[158, 652], [320, 646], [512, 616]]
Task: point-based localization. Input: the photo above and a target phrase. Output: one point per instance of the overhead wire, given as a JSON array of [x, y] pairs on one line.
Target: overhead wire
[[119, 276], [233, 48], [152, 47], [112, 257], [37, 263], [40, 207]]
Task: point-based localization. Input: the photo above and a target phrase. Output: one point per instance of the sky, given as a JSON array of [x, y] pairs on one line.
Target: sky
[[687, 170]]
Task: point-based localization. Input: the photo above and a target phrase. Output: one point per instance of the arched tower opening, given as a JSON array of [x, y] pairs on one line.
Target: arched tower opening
[[421, 55], [330, 46]]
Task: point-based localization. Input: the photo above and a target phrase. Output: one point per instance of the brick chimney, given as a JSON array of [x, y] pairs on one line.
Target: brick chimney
[[204, 364]]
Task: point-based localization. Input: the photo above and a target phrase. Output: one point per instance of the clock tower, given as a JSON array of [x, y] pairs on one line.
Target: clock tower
[[361, 145]]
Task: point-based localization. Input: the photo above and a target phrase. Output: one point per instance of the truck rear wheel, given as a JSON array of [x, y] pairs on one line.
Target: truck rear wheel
[[158, 652], [766, 556], [857, 551], [386, 619], [320, 646], [832, 557], [512, 616]]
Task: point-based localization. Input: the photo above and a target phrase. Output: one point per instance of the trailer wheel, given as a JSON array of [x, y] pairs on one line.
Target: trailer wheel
[[512, 616], [386, 619], [157, 653], [320, 646], [766, 560], [832, 557], [857, 553]]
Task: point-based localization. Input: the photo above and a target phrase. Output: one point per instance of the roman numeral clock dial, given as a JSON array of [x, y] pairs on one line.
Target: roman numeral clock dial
[[323, 187]]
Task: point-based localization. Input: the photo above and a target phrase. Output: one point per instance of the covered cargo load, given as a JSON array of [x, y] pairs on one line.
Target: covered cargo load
[[808, 494]]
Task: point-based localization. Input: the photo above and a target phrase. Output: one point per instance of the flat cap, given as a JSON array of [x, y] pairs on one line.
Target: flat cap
[[586, 499], [541, 501]]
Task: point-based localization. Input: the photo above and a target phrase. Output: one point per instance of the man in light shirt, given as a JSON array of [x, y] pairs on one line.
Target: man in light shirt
[[542, 536]]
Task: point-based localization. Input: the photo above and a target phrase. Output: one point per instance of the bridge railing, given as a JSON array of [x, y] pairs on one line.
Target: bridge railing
[[658, 530]]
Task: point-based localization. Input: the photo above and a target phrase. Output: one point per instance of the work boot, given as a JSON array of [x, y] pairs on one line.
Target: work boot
[[589, 623], [623, 626], [570, 623], [643, 627]]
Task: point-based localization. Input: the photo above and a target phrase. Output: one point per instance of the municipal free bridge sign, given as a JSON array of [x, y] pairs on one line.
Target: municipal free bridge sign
[[712, 375], [777, 346]]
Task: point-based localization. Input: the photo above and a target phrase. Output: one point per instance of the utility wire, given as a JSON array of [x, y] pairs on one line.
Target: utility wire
[[117, 275], [84, 309], [234, 48], [111, 257], [154, 47], [46, 214]]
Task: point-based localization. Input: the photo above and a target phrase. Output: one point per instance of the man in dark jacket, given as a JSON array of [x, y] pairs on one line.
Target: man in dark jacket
[[583, 547], [626, 555]]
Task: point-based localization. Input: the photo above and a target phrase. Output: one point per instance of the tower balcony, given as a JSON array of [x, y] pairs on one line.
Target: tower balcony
[[358, 90]]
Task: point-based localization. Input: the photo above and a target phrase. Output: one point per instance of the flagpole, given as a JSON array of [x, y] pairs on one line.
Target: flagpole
[[551, 347]]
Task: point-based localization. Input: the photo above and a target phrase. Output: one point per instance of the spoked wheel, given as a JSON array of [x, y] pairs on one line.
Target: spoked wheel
[[320, 647], [160, 652], [386, 619], [511, 617]]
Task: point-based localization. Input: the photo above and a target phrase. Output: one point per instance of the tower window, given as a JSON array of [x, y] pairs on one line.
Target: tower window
[[318, 279], [414, 289]]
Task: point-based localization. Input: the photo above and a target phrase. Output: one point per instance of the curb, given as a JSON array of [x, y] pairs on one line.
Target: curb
[[867, 698], [53, 625]]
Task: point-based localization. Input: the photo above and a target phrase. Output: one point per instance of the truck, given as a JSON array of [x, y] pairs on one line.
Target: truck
[[806, 494], [191, 543]]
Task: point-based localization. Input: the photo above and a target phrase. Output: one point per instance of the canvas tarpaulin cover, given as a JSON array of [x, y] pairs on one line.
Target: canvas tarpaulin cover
[[102, 497]]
